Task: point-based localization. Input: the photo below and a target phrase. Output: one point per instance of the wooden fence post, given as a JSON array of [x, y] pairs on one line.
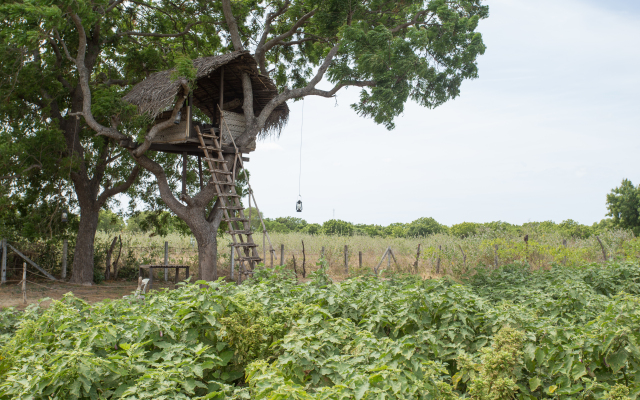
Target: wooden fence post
[[438, 262], [464, 257], [360, 259], [388, 258], [271, 253], [232, 262], [24, 282], [304, 260], [322, 253], [564, 260], [495, 246], [166, 260], [282, 254], [65, 251], [604, 252], [3, 272], [346, 259], [415, 265]]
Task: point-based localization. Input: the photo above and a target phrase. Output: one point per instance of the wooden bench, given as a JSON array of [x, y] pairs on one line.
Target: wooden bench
[[151, 267]]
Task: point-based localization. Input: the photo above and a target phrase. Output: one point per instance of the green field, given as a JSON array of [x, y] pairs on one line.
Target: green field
[[571, 332]]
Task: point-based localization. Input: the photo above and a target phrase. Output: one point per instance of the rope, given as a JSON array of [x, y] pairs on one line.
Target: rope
[[300, 166]]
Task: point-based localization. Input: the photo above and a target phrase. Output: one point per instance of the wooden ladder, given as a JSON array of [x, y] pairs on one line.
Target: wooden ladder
[[232, 210]]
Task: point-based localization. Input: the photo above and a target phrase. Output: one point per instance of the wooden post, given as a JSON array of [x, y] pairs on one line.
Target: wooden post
[[438, 262], [304, 260], [184, 173], [65, 251], [282, 255], [388, 258], [564, 260], [200, 172], [166, 260], [375, 270], [295, 271], [24, 282], [604, 252], [464, 257], [232, 261], [3, 274], [495, 246], [322, 253], [271, 253], [415, 265], [346, 259], [264, 248], [360, 259]]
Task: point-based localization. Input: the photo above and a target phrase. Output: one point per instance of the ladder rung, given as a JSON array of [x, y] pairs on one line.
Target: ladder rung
[[210, 148], [245, 232], [249, 259], [228, 195], [236, 220], [208, 135], [215, 160], [244, 245], [232, 208], [225, 183], [220, 171]]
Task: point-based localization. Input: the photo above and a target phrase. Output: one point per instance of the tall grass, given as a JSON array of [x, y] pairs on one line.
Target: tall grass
[[457, 256]]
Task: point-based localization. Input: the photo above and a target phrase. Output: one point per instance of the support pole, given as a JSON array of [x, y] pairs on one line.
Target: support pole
[[65, 251], [322, 253], [3, 274], [184, 173], [360, 259], [200, 172], [388, 258], [166, 260], [346, 259], [282, 255], [232, 262], [24, 282]]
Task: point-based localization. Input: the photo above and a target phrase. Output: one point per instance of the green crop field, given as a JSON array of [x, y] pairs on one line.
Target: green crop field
[[571, 332]]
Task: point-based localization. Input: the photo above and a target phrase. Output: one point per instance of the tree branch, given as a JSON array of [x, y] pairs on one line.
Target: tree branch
[[16, 176], [232, 24], [410, 23], [163, 185], [164, 35], [83, 75], [107, 193]]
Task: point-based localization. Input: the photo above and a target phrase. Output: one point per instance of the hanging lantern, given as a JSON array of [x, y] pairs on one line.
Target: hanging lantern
[[178, 117], [299, 206], [64, 216]]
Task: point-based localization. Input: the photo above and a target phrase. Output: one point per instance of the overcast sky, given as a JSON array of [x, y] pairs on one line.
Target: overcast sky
[[548, 129]]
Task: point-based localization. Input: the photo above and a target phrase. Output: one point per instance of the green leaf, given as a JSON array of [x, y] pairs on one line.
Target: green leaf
[[534, 383], [617, 360]]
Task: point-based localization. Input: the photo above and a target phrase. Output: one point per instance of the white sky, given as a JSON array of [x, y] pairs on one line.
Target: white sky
[[549, 128]]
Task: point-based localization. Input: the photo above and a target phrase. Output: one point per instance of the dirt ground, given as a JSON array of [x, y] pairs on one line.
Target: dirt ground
[[11, 292]]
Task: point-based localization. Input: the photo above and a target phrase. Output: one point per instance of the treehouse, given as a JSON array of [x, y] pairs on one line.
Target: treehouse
[[217, 86]]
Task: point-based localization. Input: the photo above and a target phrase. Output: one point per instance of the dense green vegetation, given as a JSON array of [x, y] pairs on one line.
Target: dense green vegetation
[[571, 332]]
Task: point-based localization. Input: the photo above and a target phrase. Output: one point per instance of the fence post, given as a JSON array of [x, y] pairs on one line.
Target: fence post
[[166, 259], [438, 262], [495, 246], [65, 250], [346, 259], [604, 252], [415, 265], [360, 259], [282, 254], [388, 258], [271, 252], [322, 253], [4, 261], [232, 262], [24, 282], [564, 260]]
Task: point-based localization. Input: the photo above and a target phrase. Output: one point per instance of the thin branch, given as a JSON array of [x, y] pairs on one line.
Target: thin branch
[[64, 45], [113, 5], [232, 24], [16, 176], [186, 31], [410, 23], [107, 193]]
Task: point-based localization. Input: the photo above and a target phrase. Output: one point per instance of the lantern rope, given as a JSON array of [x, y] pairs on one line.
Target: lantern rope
[[300, 166]]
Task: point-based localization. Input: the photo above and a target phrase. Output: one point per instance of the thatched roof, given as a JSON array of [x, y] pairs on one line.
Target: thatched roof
[[158, 92]]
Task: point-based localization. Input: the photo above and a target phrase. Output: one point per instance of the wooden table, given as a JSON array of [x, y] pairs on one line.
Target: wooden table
[[151, 267]]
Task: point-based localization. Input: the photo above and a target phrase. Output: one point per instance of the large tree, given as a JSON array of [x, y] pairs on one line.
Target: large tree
[[394, 51], [52, 69]]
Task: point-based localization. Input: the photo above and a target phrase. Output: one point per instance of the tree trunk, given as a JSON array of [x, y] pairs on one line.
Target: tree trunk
[[83, 254], [207, 256]]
